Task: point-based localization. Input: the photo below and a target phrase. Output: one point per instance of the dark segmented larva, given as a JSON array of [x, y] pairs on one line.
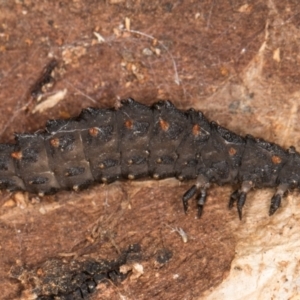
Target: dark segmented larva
[[137, 141]]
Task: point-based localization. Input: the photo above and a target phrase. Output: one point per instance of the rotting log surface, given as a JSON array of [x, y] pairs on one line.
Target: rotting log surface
[[236, 62]]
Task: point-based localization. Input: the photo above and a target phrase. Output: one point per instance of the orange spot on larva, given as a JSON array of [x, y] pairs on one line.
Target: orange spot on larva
[[276, 159], [196, 129], [16, 155], [232, 151], [93, 131], [164, 125], [128, 124], [54, 142]]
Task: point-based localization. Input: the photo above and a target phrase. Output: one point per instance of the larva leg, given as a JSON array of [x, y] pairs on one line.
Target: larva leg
[[233, 198], [240, 203], [276, 199], [240, 196], [190, 193], [199, 188], [201, 199], [275, 203]]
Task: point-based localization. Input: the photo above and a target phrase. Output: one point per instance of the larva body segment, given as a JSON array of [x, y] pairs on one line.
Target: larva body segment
[[66, 154], [168, 132], [135, 127], [137, 141], [198, 132], [33, 163], [100, 139]]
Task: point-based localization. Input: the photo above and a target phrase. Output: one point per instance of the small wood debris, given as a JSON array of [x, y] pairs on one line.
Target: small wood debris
[[50, 101], [127, 24], [276, 55], [99, 37]]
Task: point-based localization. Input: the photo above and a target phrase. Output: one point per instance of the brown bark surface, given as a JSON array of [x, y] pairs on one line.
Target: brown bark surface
[[236, 61]]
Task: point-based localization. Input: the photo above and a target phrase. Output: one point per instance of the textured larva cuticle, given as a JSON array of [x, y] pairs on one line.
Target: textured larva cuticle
[[137, 141]]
